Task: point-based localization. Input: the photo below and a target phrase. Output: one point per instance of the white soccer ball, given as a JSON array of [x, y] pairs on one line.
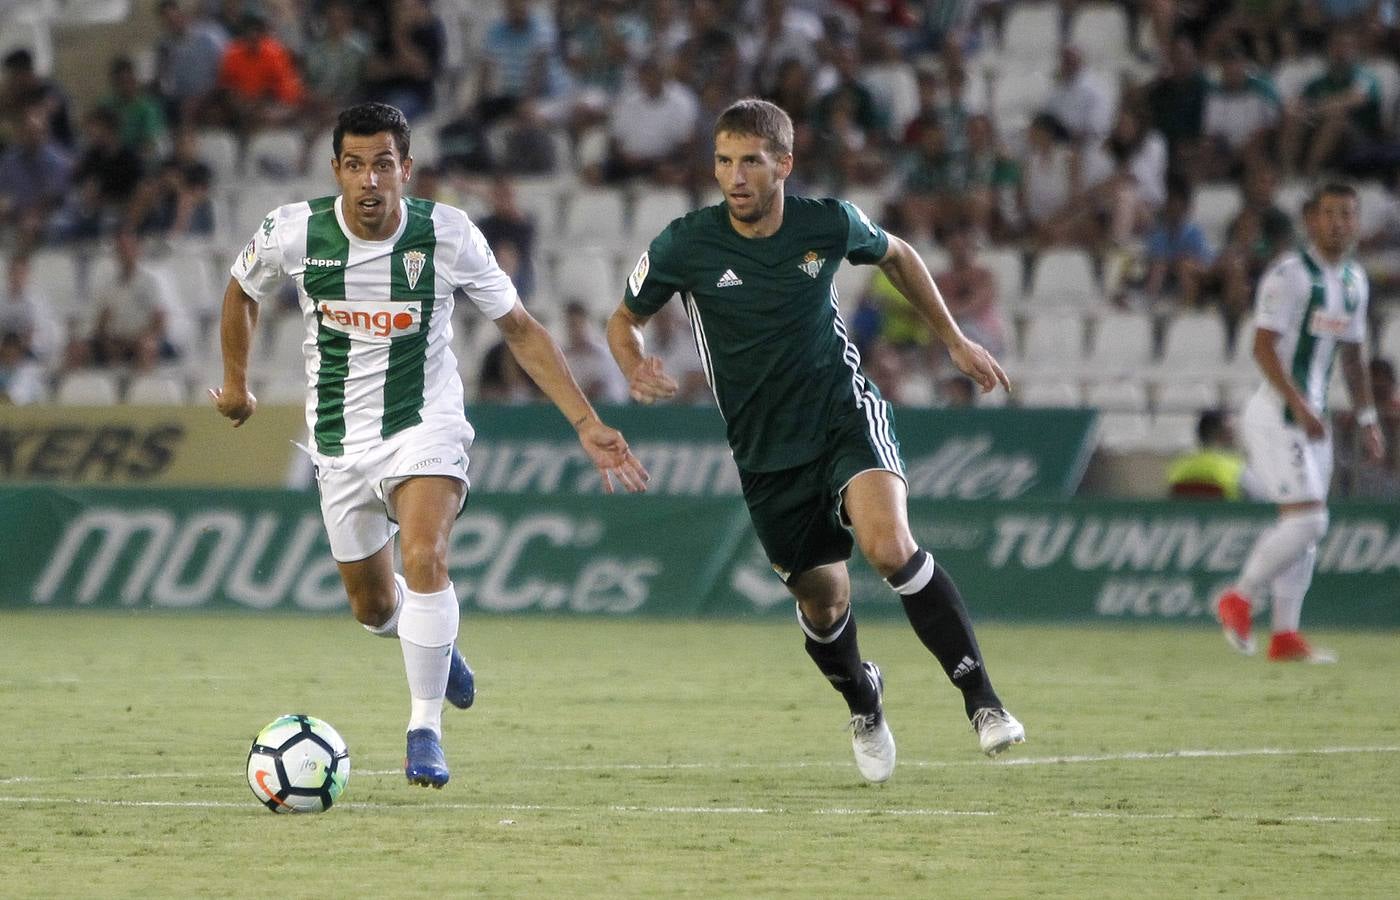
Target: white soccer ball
[[298, 764]]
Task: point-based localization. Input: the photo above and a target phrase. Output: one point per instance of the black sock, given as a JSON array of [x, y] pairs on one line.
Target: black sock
[[836, 653], [936, 610]]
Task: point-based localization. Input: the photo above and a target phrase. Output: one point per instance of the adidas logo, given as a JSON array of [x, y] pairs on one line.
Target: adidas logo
[[729, 279], [966, 667]]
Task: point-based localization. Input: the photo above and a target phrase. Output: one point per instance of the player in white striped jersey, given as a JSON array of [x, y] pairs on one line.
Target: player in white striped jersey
[[1310, 308], [376, 273]]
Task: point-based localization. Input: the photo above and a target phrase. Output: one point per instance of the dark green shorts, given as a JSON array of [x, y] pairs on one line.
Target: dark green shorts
[[797, 512]]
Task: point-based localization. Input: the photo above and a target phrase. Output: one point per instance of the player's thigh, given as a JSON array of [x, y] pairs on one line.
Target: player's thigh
[[875, 503], [794, 514], [1288, 465]]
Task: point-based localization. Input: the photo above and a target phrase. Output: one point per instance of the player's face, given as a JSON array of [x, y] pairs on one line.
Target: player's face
[[1334, 224], [372, 178], [750, 175]]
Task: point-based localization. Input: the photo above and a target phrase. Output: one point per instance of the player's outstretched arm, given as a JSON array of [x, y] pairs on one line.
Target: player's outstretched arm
[[543, 361], [647, 380], [240, 316], [907, 272]]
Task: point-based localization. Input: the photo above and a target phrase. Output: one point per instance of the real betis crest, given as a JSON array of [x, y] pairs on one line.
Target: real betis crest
[[811, 264], [413, 261]]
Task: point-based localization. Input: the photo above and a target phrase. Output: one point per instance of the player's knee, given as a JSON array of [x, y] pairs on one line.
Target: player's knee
[[372, 609], [424, 566], [1315, 522], [887, 553]]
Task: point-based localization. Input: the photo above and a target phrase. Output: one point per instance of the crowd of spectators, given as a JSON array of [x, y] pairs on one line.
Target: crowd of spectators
[[918, 107]]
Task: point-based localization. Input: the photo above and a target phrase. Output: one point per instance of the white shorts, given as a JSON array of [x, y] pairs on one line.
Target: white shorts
[[357, 489], [1288, 466]]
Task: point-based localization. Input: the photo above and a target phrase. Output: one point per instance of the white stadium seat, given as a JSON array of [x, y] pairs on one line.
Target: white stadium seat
[[1101, 32], [1122, 343], [88, 387], [157, 389], [1048, 392], [1124, 431], [1171, 433], [654, 210], [1054, 340], [1215, 207], [596, 217], [1195, 344], [588, 274], [1118, 395], [1390, 340], [1064, 278], [1187, 396]]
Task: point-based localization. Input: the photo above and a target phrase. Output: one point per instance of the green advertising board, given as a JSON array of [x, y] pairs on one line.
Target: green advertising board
[[1035, 560]]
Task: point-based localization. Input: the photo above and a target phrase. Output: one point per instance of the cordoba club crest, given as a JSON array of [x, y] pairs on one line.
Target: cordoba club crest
[[811, 264], [413, 261]]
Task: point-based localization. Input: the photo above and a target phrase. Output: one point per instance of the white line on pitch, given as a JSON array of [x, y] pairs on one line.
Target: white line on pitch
[[1137, 756], [711, 810]]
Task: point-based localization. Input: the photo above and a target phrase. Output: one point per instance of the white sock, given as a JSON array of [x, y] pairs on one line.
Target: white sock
[[1289, 588], [427, 630], [390, 628], [1279, 547]]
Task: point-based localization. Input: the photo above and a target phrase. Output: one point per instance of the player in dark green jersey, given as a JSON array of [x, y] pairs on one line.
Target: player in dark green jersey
[[813, 439]]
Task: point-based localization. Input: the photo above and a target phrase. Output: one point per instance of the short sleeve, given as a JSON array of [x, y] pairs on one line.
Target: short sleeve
[[1282, 293], [866, 242], [260, 268], [475, 270], [1356, 328], [658, 274]]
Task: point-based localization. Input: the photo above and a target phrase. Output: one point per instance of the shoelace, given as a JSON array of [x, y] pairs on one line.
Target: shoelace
[[863, 726], [988, 716]]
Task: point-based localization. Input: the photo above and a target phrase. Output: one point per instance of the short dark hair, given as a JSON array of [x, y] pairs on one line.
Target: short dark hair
[[1210, 426], [752, 117], [1328, 189], [19, 60], [365, 119]]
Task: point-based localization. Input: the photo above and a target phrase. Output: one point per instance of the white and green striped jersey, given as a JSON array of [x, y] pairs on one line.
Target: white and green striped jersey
[[378, 314], [1312, 307]]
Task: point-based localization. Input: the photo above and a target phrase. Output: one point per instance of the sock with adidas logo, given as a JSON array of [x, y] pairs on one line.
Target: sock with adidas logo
[[936, 610], [837, 655]]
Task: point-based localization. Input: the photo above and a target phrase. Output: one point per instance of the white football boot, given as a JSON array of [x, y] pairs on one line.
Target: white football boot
[[997, 729], [870, 735]]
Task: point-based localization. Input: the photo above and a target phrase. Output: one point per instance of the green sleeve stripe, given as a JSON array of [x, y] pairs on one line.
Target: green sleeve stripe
[[412, 280], [326, 241], [1301, 368]]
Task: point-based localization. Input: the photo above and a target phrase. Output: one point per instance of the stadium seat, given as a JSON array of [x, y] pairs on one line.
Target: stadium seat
[[88, 387], [55, 275], [1064, 278], [219, 150], [1032, 34], [1236, 392], [1124, 431], [1117, 395], [1101, 32], [1122, 343], [541, 197], [282, 389], [1377, 207], [1055, 341], [596, 217], [93, 12], [1171, 432], [1338, 397], [1186, 396], [157, 389], [654, 210], [192, 276], [1390, 339], [282, 351], [1195, 345], [30, 31], [1048, 392], [1216, 206], [588, 274], [1005, 264], [1388, 77], [276, 153]]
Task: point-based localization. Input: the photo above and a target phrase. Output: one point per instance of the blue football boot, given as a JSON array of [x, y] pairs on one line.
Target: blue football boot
[[461, 681], [424, 763]]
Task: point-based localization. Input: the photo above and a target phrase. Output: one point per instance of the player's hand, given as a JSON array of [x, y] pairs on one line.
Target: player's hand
[[237, 405], [973, 360], [608, 450], [649, 382], [1310, 422], [1373, 442]]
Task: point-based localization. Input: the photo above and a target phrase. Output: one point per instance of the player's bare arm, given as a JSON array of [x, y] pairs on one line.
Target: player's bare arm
[[240, 316], [1358, 379], [907, 272], [647, 380], [543, 361], [1266, 355]]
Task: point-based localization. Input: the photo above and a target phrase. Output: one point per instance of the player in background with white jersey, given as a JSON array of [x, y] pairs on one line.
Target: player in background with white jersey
[[1310, 307], [375, 275]]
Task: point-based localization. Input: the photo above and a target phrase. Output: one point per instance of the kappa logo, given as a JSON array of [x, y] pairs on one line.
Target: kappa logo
[[413, 261], [312, 262], [729, 279], [811, 264]]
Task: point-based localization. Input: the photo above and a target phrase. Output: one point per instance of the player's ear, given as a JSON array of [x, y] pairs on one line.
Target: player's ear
[[785, 165], [408, 167]]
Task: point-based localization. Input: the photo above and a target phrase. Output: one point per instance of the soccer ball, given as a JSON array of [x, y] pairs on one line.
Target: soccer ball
[[298, 764]]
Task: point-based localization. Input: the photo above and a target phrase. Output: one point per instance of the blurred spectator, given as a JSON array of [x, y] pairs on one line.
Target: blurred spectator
[[1049, 179], [21, 378], [1176, 103], [517, 61], [176, 203], [140, 121], [1178, 256], [407, 59], [669, 337], [187, 59], [1259, 232], [38, 172], [890, 79], [1263, 29], [258, 86], [600, 43], [135, 320], [501, 380], [104, 182], [1216, 468], [850, 133], [932, 187], [792, 90], [1129, 176], [1339, 113], [992, 178], [711, 49], [335, 72], [1241, 119], [789, 32], [507, 223], [970, 290], [23, 87], [650, 130], [28, 315], [1079, 100], [589, 359], [527, 142]]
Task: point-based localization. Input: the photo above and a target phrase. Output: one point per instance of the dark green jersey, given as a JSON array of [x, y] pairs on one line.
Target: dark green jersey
[[767, 324]]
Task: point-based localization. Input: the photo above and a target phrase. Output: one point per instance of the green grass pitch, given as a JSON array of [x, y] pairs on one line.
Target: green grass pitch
[[692, 759]]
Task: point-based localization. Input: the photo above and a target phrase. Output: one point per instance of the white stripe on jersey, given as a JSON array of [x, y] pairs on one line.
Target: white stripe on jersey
[[877, 410]]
